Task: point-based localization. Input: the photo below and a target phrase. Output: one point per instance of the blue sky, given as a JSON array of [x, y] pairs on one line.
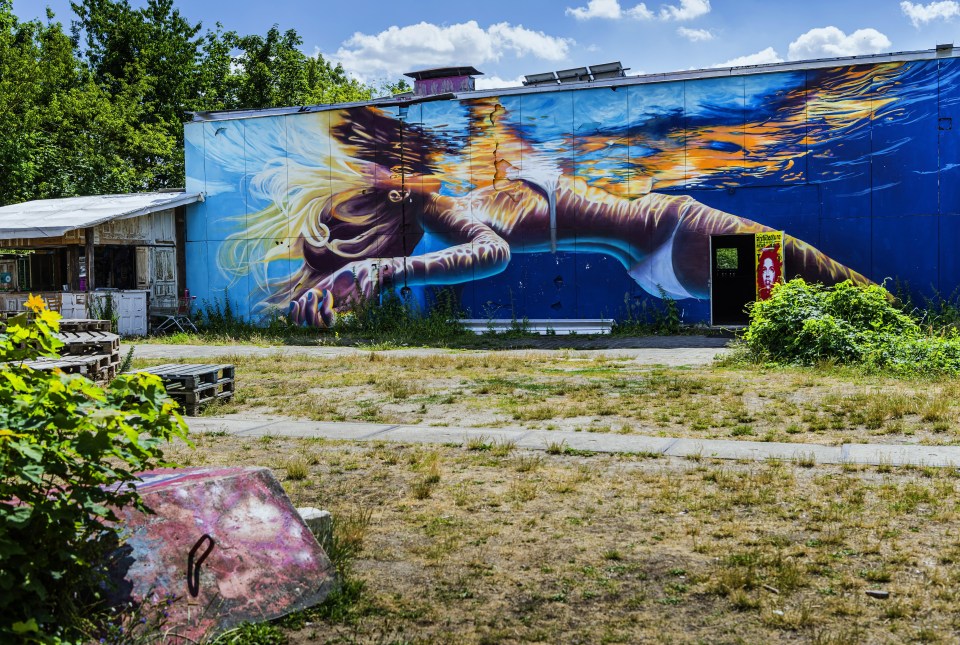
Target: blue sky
[[506, 39]]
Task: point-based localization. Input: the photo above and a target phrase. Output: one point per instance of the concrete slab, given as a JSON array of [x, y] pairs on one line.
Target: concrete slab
[[596, 442], [448, 435], [755, 450], [876, 455], [671, 351]]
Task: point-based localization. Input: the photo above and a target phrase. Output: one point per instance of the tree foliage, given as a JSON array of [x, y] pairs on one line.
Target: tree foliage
[[101, 109], [69, 451]]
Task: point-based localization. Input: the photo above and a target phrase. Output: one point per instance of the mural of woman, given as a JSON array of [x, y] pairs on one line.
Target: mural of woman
[[359, 211]]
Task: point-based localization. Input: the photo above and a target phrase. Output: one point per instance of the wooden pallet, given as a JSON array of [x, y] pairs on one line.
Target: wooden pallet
[[194, 385], [75, 325], [89, 348], [89, 342], [89, 366]]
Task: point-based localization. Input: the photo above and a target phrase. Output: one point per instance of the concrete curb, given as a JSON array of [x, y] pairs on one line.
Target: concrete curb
[[806, 453]]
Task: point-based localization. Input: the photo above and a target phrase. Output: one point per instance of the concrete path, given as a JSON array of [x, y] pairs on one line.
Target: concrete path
[[871, 454], [672, 351]]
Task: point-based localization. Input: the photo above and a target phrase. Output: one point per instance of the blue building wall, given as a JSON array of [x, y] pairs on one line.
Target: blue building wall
[[579, 203]]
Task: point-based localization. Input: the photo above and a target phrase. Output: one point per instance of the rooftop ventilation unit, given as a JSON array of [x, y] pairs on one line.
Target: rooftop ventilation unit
[[442, 80], [549, 78]]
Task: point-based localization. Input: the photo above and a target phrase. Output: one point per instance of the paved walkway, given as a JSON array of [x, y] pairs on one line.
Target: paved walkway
[[673, 351], [871, 454]]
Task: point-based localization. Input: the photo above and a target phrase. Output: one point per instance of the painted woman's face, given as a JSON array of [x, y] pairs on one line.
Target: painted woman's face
[[768, 275]]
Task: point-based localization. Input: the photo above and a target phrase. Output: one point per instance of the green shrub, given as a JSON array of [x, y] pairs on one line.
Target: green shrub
[[806, 324], [68, 452]]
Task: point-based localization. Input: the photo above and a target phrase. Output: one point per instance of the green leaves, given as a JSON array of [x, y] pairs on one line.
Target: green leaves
[[67, 447], [806, 324]]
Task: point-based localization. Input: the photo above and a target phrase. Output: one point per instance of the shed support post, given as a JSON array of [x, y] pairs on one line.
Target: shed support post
[[88, 239]]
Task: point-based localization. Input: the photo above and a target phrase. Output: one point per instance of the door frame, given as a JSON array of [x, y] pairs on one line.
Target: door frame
[[710, 279]]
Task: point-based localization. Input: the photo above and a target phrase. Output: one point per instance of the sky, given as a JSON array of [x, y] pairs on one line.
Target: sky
[[506, 39]]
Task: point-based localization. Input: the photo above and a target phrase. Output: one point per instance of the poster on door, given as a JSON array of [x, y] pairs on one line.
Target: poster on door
[[769, 255]]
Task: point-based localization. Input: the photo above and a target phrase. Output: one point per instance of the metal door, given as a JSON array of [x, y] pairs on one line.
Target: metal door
[[732, 278]]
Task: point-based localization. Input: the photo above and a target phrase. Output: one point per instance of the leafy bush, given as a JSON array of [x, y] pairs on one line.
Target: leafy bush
[[808, 323], [69, 450]]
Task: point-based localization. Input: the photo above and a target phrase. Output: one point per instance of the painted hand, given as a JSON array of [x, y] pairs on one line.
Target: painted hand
[[313, 309], [316, 307]]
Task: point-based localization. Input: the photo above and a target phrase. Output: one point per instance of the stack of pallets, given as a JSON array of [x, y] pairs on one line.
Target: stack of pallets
[[193, 385], [89, 348]]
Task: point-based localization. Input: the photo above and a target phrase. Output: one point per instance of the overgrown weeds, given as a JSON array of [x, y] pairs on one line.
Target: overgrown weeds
[[391, 317]]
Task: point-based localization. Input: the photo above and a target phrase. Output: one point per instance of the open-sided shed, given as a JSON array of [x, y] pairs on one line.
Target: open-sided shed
[[128, 245]]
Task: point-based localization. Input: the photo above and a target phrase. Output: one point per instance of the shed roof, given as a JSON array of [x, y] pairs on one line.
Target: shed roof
[[55, 217], [441, 72]]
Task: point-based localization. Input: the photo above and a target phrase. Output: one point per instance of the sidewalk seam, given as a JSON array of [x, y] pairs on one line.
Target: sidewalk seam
[[666, 449], [379, 432]]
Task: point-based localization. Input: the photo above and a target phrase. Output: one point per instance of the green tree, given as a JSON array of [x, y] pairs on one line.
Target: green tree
[[69, 451], [102, 111], [154, 49], [328, 83], [63, 133]]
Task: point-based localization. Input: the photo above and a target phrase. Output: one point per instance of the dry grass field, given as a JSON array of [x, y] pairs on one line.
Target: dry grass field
[[497, 545], [591, 393], [488, 543]]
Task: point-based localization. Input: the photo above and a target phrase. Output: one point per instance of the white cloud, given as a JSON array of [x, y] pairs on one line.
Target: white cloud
[[401, 49], [495, 82], [695, 35], [596, 9], [640, 12], [768, 55], [923, 13], [609, 9], [828, 42], [688, 10]]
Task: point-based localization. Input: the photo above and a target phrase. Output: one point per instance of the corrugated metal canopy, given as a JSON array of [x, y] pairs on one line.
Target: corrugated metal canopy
[[55, 217]]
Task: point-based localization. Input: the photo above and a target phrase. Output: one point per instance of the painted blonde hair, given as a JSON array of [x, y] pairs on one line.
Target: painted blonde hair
[[309, 193]]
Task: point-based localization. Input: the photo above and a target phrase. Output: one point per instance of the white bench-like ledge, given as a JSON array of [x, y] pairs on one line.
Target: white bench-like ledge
[[542, 326]]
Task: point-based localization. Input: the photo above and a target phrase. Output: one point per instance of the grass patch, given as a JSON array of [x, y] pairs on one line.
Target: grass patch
[[570, 392], [542, 547]]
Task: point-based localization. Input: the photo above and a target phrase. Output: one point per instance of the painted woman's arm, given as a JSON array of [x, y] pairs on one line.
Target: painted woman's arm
[[476, 251]]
